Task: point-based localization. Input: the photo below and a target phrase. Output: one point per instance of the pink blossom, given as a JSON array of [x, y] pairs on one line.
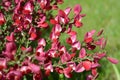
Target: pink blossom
[[67, 72], [11, 37], [28, 8], [77, 9], [2, 19], [3, 63], [112, 60], [65, 57], [10, 50], [82, 53], [79, 68]]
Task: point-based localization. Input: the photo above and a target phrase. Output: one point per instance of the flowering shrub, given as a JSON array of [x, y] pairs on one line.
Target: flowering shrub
[[30, 43]]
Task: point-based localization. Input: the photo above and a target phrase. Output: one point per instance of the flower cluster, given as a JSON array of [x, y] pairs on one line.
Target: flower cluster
[[30, 41]]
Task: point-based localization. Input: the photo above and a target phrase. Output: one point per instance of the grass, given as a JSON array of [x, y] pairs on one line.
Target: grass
[[102, 15]]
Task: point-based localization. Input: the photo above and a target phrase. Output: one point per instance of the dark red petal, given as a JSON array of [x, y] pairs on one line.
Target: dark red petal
[[59, 70], [47, 72], [88, 40], [52, 21], [60, 1], [73, 55], [61, 13]]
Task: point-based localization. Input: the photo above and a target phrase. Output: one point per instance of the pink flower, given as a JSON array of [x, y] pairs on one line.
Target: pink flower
[[33, 36], [10, 50], [72, 65], [62, 49], [34, 68], [25, 70], [37, 76], [14, 75], [28, 8], [60, 1], [67, 11], [57, 29], [67, 72], [94, 72], [29, 49], [40, 56], [44, 4], [48, 66], [65, 57], [89, 77], [11, 37], [76, 45], [89, 36], [87, 65], [2, 63], [112, 60], [52, 53], [79, 68], [72, 39], [41, 42], [82, 53], [99, 55], [77, 9], [2, 19]]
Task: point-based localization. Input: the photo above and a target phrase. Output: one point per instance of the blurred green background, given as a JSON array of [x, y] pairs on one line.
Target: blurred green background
[[102, 14]]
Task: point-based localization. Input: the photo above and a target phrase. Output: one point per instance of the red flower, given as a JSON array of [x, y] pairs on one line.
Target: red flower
[[33, 36], [87, 65]]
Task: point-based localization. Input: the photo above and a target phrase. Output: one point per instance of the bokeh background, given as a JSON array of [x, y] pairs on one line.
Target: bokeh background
[[102, 14]]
